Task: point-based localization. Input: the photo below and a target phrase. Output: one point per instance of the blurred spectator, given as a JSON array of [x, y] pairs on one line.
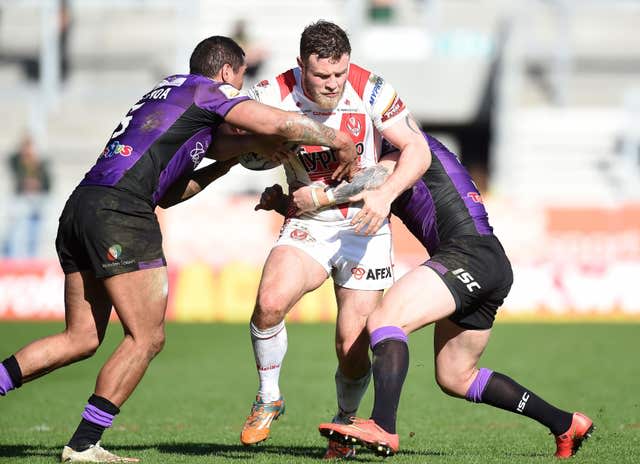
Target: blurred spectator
[[31, 184], [382, 11], [31, 63], [255, 55], [65, 21]]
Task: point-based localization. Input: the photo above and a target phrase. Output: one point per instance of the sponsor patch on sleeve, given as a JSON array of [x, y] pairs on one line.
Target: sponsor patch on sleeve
[[229, 91], [393, 109]]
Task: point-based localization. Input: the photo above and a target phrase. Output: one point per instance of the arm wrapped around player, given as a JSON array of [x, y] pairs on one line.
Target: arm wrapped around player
[[313, 197], [254, 151]]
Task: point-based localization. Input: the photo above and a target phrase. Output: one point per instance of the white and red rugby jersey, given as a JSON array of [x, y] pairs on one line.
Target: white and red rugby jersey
[[368, 105]]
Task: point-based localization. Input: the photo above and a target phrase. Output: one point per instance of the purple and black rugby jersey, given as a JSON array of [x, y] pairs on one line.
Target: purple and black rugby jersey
[[445, 203], [164, 136]]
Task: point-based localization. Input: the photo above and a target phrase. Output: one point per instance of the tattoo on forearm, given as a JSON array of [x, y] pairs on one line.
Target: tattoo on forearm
[[412, 124], [367, 179], [307, 131]]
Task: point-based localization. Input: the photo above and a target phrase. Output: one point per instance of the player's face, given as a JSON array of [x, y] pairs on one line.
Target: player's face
[[323, 79]]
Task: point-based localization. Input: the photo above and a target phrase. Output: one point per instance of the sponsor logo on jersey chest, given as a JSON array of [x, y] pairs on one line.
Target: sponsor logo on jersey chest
[[116, 148]]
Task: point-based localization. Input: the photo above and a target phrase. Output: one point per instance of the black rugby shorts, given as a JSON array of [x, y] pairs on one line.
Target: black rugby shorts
[[109, 232], [478, 273]]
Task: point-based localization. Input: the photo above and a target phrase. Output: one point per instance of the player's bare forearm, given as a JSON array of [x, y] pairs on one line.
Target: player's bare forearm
[[312, 197], [306, 131], [191, 185], [366, 179], [263, 119]]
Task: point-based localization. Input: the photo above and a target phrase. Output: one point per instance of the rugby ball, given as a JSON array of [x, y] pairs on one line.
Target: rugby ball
[[257, 162]]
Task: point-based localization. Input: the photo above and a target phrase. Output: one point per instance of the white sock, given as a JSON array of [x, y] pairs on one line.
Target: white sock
[[269, 348], [349, 393]]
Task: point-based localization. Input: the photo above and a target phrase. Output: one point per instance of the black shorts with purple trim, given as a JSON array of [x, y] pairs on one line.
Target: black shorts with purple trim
[[109, 232], [478, 273]]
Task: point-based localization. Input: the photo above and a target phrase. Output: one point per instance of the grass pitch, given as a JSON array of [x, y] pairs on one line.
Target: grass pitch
[[191, 404]]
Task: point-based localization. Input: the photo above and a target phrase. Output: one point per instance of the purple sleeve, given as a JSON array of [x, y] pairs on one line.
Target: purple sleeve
[[218, 98]]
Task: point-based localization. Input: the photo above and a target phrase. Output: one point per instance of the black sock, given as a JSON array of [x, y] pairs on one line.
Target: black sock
[[504, 393], [390, 365], [89, 433], [13, 369]]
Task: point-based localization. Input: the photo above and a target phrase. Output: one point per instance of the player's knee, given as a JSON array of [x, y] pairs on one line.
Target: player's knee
[[270, 309], [451, 383], [156, 343], [82, 345], [379, 318]]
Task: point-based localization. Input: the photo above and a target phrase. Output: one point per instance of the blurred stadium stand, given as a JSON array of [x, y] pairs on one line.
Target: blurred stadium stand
[[542, 96]]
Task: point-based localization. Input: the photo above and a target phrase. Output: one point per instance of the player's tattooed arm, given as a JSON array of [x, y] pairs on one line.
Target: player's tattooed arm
[[311, 198], [262, 119], [306, 131], [367, 179]]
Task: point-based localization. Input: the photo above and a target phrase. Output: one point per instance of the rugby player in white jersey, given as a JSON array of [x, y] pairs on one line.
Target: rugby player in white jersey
[[329, 89]]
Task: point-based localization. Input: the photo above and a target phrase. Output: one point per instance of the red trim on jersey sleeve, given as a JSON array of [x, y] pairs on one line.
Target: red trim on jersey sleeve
[[287, 82], [358, 78]]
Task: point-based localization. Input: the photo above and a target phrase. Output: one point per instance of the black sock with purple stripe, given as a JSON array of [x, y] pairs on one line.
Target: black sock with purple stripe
[[503, 392], [390, 365], [10, 375], [97, 416]]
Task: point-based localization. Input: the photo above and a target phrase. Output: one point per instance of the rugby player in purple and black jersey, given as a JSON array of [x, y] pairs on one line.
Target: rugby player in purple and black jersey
[[109, 241], [460, 288]]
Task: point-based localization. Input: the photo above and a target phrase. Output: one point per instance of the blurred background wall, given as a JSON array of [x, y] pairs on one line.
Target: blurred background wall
[[541, 100]]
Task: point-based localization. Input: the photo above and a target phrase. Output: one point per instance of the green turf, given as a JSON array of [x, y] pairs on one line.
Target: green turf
[[190, 406]]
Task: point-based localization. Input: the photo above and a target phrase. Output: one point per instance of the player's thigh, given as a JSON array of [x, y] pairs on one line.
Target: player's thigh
[[354, 307], [140, 300], [418, 298], [87, 306], [457, 351], [288, 274]]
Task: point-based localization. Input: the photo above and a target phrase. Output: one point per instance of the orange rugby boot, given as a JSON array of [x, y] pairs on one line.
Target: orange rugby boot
[[365, 432], [339, 450], [258, 424], [569, 442]]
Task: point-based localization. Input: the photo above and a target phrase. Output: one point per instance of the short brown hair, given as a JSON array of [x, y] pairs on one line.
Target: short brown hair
[[325, 39], [212, 53]]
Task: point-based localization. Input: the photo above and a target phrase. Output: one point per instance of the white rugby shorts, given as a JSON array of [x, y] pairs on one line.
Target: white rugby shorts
[[356, 261]]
